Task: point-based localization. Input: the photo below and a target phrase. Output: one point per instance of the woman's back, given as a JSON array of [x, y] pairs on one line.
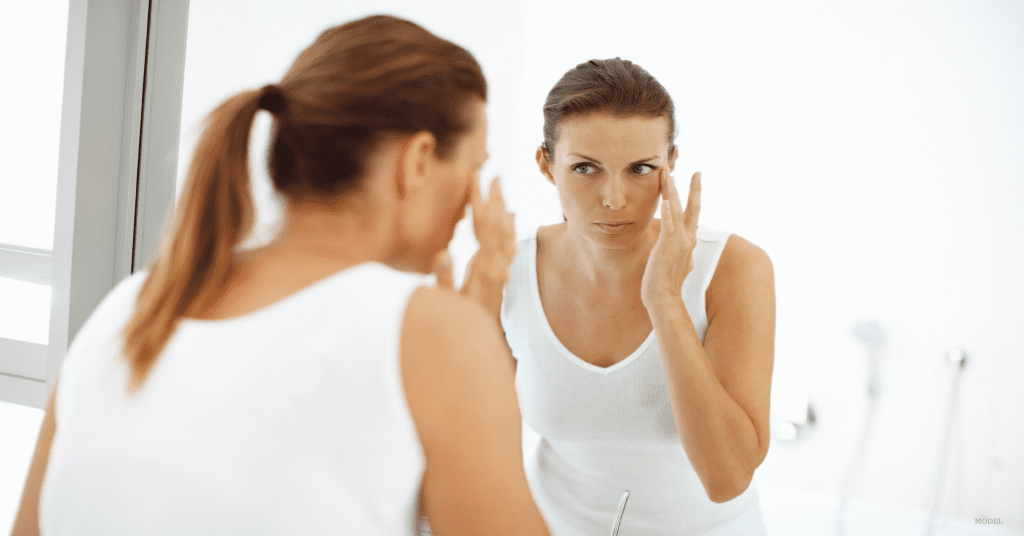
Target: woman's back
[[290, 419], [333, 410]]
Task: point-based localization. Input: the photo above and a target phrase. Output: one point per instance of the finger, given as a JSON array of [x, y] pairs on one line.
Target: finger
[[676, 206], [443, 270], [493, 203], [468, 282], [476, 201], [495, 196], [510, 242], [494, 224], [508, 220], [497, 199], [693, 203], [667, 221]]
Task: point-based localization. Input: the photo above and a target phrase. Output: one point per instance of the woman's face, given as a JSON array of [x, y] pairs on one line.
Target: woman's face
[[606, 170], [442, 204]]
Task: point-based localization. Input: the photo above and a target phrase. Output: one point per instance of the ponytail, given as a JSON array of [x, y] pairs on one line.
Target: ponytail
[[375, 75], [194, 260]]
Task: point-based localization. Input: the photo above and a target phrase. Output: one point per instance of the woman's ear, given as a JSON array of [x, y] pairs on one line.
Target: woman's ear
[[544, 163], [416, 163], [673, 153]]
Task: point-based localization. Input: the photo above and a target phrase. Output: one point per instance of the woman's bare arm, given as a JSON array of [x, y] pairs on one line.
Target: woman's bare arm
[[26, 523], [720, 390], [463, 402]]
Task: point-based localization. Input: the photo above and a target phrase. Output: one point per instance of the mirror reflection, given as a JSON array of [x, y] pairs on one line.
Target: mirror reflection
[[644, 346]]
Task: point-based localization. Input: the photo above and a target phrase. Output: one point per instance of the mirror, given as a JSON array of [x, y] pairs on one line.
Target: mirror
[[872, 149]]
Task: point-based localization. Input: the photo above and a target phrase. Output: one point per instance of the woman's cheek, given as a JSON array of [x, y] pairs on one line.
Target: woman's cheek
[[653, 190], [650, 200]]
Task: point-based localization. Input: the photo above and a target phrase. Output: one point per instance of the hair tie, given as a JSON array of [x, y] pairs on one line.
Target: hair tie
[[271, 99]]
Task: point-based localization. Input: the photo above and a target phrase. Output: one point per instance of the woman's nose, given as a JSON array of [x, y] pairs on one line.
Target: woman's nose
[[613, 194]]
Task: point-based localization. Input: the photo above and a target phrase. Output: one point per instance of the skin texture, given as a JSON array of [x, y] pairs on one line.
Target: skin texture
[[629, 282], [405, 216]]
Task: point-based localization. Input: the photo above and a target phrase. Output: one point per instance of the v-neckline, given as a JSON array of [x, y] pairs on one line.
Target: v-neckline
[[558, 342]]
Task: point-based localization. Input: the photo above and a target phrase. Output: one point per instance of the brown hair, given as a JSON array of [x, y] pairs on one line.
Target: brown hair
[[358, 81], [614, 86]]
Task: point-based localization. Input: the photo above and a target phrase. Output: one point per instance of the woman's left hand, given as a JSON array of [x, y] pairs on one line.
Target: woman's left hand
[[671, 259], [487, 271]]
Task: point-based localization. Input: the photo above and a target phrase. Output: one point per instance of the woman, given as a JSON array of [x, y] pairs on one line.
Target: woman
[[261, 392], [644, 347]]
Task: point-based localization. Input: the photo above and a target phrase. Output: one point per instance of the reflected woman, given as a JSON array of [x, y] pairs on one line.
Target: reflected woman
[[646, 345]]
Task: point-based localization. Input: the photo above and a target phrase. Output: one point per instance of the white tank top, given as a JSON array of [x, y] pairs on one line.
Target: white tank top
[[288, 420], [590, 433]]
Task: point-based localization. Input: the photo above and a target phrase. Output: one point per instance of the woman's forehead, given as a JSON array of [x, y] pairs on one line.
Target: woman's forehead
[[629, 138]]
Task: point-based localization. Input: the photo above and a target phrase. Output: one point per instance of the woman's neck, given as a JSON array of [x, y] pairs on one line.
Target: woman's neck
[[334, 234], [604, 266]]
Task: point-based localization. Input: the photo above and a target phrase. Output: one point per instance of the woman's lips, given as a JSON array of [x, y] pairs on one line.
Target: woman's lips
[[613, 228]]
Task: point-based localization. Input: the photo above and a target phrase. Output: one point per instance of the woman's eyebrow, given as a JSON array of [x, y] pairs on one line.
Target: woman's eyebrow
[[648, 159], [585, 157], [596, 161]]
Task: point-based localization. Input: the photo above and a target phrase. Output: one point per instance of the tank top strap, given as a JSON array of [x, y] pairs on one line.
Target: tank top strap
[[710, 245]]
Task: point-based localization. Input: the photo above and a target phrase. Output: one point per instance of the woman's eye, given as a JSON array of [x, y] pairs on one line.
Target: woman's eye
[[643, 169], [583, 169]]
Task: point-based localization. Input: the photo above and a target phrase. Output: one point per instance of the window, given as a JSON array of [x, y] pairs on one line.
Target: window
[[86, 187], [33, 41]]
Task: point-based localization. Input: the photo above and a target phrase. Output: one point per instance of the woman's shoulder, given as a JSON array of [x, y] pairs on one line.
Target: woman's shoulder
[[109, 317], [739, 250], [444, 334], [442, 312], [546, 235], [732, 247], [742, 268], [530, 250], [120, 301]]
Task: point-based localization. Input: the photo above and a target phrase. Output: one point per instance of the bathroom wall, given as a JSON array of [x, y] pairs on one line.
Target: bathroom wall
[[874, 149]]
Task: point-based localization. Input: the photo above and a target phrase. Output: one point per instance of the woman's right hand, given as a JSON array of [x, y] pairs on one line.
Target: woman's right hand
[[487, 271]]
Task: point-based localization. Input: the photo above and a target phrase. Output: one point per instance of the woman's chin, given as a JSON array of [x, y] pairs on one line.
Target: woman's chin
[[617, 236]]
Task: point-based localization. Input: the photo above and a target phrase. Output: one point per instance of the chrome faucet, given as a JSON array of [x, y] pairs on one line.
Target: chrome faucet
[[618, 514]]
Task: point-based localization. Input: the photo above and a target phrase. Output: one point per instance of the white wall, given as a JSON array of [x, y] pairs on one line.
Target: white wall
[[874, 149]]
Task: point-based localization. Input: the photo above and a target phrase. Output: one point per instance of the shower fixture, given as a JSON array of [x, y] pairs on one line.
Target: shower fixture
[[873, 336], [958, 358], [797, 426]]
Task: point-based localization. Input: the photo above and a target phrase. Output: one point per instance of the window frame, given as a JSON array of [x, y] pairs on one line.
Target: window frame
[[121, 110]]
